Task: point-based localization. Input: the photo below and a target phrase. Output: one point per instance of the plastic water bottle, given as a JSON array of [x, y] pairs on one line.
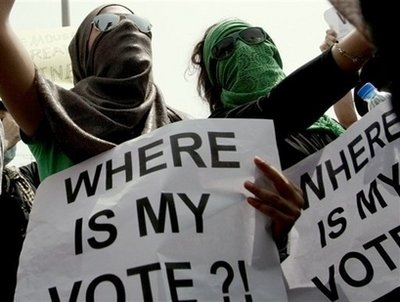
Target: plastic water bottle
[[372, 95]]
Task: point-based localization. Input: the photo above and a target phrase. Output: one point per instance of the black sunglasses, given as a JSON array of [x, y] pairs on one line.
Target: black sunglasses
[[224, 48], [106, 22], [251, 36]]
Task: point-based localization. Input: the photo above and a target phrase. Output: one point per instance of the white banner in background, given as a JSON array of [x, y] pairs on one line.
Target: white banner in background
[[347, 240], [48, 48], [159, 218]]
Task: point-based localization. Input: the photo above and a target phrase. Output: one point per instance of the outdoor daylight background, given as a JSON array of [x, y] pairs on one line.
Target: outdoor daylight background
[[296, 26]]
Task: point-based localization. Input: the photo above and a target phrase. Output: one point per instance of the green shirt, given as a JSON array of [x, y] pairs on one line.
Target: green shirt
[[330, 124], [48, 155]]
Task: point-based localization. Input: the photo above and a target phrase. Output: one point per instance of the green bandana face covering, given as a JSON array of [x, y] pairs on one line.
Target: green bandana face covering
[[250, 72]]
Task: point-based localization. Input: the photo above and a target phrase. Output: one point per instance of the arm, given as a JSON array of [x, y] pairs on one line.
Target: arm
[[344, 109], [17, 73], [317, 85], [320, 83]]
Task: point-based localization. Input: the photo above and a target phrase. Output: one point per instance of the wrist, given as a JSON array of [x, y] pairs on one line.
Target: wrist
[[353, 51], [354, 58]]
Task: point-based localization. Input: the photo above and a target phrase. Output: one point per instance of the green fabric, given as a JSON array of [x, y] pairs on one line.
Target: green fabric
[[250, 72], [329, 124], [49, 157], [219, 31]]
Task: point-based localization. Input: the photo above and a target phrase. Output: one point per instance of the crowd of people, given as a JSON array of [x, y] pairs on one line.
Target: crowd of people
[[114, 99]]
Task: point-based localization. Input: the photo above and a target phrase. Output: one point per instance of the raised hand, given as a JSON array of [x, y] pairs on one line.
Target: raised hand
[[330, 39]]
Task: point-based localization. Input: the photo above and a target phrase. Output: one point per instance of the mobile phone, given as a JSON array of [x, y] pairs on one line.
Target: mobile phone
[[338, 23]]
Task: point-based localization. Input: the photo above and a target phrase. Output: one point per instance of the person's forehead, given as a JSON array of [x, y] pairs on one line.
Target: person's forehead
[[115, 9]]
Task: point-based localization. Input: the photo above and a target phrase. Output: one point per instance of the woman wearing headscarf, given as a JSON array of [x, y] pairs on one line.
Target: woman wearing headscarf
[[241, 76], [114, 98]]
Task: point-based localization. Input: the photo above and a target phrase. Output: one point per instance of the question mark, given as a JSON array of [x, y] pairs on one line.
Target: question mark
[[228, 279]]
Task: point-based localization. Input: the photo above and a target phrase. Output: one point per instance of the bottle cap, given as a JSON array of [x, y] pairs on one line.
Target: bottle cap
[[365, 90]]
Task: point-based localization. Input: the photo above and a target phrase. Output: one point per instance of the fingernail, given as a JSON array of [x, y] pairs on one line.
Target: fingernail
[[259, 160], [248, 184]]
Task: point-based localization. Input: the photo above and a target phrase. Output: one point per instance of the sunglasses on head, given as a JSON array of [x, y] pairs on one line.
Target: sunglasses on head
[[106, 22], [251, 36]]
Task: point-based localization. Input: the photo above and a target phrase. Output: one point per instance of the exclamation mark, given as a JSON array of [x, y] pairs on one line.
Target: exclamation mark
[[242, 270]]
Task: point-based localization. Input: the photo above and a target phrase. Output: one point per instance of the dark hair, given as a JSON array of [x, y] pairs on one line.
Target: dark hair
[[207, 91]]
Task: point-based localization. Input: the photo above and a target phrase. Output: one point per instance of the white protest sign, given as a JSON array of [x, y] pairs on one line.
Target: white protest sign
[[347, 240], [159, 218], [48, 48]]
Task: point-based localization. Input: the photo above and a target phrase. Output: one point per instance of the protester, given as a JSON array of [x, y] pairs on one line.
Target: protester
[[114, 97], [240, 76], [113, 100], [18, 188]]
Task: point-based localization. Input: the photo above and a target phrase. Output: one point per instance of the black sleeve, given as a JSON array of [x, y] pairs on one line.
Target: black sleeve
[[31, 173], [301, 98]]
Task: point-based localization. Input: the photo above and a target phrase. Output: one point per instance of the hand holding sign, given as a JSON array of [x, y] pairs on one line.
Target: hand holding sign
[[283, 207], [159, 218]]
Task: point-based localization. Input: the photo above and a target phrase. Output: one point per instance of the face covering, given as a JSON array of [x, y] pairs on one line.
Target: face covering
[[250, 72]]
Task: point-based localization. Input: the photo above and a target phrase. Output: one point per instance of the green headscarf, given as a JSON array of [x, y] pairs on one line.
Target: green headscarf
[[250, 72]]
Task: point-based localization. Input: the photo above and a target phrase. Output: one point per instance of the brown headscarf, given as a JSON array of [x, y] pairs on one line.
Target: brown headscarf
[[114, 98]]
